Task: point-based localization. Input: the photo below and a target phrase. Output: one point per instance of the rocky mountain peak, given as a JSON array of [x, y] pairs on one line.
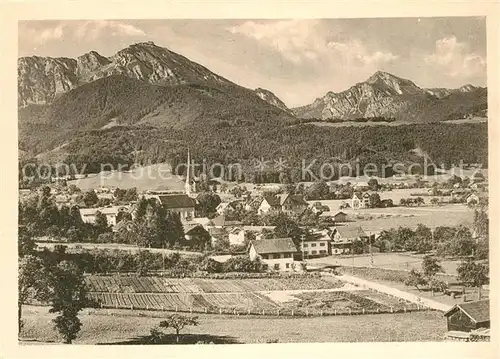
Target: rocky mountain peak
[[90, 62], [467, 88], [381, 95]]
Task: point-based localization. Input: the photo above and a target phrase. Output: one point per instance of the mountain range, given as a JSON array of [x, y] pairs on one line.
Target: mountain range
[[386, 95], [148, 85]]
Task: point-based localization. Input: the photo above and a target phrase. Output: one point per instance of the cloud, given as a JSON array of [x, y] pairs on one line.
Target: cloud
[[92, 30], [356, 53], [301, 41], [455, 58], [50, 34], [296, 40]]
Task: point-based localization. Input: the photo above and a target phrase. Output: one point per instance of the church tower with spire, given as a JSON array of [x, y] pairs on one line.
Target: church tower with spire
[[187, 185]]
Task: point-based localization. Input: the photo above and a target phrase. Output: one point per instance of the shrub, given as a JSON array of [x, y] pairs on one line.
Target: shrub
[[210, 265], [242, 264]]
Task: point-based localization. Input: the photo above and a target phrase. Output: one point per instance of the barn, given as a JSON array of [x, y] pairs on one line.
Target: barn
[[467, 317]]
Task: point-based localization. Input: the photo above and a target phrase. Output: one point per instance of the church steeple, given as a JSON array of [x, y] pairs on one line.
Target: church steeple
[[187, 185]]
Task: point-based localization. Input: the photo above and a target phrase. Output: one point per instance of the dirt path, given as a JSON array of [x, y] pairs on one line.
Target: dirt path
[[363, 283]]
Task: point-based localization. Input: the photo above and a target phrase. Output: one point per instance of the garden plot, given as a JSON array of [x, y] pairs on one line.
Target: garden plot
[[283, 296], [348, 301], [183, 301], [123, 284]]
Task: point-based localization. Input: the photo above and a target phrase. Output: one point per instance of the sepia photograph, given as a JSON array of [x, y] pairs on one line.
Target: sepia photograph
[[253, 181]]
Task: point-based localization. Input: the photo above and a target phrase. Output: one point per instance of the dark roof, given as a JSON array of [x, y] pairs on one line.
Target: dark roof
[[222, 221], [275, 245], [177, 201], [350, 232], [295, 199], [478, 311], [340, 213], [273, 200], [194, 229]]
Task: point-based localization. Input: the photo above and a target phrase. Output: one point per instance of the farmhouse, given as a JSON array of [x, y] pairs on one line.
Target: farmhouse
[[237, 235], [361, 200], [179, 203], [221, 221], [292, 203], [228, 207], [276, 254], [318, 245], [467, 317], [285, 202], [112, 213], [196, 234], [318, 207], [343, 237]]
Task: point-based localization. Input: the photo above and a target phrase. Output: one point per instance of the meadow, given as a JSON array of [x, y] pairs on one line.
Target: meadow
[[106, 326], [154, 177], [394, 261]]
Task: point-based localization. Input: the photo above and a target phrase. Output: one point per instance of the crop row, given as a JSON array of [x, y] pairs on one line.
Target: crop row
[[181, 301], [122, 284], [333, 303], [350, 300]]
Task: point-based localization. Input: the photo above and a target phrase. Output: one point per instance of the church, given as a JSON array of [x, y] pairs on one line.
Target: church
[[190, 184]]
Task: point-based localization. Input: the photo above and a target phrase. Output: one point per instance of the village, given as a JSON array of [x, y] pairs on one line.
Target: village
[[253, 181], [344, 230]]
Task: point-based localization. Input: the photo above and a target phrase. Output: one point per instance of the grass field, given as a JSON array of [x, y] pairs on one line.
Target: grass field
[[397, 261], [123, 328], [154, 177], [377, 219]]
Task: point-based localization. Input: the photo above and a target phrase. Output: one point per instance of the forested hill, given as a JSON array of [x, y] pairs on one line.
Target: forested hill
[[445, 144]]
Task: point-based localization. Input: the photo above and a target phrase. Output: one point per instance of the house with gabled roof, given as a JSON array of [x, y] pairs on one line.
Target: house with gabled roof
[[292, 203], [236, 235], [343, 238], [286, 203], [317, 244], [467, 317], [179, 203], [276, 254], [112, 213], [221, 221]]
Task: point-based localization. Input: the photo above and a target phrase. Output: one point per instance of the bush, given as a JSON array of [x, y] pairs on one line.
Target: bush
[[105, 238], [156, 336], [242, 264], [437, 285], [210, 265]]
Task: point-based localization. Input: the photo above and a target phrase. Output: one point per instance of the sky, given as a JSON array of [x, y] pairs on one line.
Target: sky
[[298, 60]]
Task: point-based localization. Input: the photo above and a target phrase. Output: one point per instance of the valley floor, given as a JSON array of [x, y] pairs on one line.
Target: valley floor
[[105, 326]]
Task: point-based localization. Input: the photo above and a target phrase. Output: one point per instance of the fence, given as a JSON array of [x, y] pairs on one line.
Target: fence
[[213, 304], [278, 312]]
